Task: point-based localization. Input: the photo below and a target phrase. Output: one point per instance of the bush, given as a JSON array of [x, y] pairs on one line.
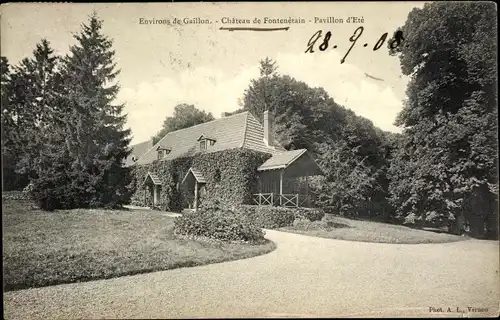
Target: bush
[[268, 217], [301, 224], [306, 224], [311, 214], [321, 225], [218, 224], [277, 217], [324, 224]]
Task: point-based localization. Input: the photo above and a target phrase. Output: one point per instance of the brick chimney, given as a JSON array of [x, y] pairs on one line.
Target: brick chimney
[[268, 129]]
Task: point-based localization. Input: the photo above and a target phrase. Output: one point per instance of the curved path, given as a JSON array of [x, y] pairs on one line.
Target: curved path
[[303, 277]]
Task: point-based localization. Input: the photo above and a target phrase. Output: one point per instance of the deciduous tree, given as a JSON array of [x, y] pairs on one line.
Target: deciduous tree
[[445, 169], [348, 147], [185, 115]]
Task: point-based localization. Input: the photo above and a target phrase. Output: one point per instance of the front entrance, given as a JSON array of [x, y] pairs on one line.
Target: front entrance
[[194, 186], [194, 195], [156, 192], [152, 190]]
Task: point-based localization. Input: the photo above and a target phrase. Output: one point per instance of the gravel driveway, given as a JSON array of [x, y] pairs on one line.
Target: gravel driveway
[[303, 277]]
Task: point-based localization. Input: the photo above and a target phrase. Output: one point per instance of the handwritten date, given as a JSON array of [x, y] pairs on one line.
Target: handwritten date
[[393, 43]]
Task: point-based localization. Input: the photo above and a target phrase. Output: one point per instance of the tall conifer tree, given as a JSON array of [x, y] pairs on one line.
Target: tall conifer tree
[[83, 161], [32, 90], [98, 143]]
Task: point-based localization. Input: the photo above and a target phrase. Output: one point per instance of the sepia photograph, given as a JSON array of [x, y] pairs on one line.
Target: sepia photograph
[[250, 160]]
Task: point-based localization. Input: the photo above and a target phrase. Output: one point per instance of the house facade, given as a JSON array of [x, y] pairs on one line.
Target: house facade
[[229, 161]]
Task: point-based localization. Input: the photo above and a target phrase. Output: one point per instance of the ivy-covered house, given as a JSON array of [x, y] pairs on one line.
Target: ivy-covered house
[[232, 160]]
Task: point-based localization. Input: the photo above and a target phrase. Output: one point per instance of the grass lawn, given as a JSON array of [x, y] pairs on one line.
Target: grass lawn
[[47, 248], [369, 231]]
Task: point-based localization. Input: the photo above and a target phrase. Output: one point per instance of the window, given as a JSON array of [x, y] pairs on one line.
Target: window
[[162, 152], [203, 144], [206, 142]]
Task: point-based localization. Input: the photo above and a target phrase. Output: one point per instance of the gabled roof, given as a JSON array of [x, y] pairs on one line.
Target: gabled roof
[[281, 160], [241, 130], [153, 177], [254, 137], [138, 150], [205, 137], [301, 160], [196, 174], [160, 147]]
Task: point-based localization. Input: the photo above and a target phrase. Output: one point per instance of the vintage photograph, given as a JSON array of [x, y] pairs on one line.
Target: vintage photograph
[[249, 160]]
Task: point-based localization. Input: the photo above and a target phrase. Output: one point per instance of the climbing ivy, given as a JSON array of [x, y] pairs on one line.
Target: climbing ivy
[[231, 179]]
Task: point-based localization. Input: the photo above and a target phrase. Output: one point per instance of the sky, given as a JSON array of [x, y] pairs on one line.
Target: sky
[[163, 65]]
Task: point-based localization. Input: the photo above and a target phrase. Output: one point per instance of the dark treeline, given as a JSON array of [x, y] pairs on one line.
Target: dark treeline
[[62, 133], [353, 153], [60, 130], [442, 170]]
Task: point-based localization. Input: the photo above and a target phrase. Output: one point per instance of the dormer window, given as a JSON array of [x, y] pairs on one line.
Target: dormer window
[[203, 144], [206, 142], [162, 152]]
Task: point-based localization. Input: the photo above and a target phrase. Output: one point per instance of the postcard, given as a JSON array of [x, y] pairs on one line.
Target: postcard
[[250, 160]]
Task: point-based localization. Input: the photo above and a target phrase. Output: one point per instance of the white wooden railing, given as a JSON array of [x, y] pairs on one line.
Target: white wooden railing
[[294, 200]]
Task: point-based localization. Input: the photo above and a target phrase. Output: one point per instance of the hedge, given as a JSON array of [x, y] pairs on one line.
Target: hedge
[[270, 217], [218, 224]]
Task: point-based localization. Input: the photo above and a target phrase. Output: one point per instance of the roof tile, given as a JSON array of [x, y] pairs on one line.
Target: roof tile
[[154, 178], [281, 160], [241, 130], [138, 150]]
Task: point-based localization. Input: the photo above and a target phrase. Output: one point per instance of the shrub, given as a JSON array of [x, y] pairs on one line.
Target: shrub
[[311, 214], [306, 224], [218, 224], [277, 217], [267, 216], [323, 224], [301, 224]]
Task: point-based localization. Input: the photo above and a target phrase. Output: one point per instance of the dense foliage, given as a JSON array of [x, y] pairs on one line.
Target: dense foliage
[[185, 116], [220, 224], [30, 95], [444, 170], [350, 149], [231, 179], [278, 217], [62, 129], [12, 180]]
